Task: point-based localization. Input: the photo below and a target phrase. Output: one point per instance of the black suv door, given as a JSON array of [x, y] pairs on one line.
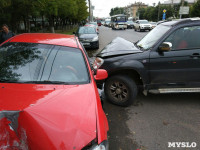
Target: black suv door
[[181, 65]]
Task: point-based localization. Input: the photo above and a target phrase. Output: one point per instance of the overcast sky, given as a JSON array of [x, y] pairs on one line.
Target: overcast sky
[[102, 7]]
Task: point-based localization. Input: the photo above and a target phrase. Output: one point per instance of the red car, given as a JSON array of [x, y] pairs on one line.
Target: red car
[[99, 22], [49, 98]]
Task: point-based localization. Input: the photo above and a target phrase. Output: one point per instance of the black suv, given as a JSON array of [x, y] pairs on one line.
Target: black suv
[[166, 60]]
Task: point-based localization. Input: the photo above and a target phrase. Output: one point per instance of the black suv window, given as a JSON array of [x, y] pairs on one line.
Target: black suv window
[[185, 38]]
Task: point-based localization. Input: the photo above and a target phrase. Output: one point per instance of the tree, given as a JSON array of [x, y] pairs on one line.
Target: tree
[[195, 9], [63, 12], [141, 13], [116, 10]]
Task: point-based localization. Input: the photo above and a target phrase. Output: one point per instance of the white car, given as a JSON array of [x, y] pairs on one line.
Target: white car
[[142, 25]]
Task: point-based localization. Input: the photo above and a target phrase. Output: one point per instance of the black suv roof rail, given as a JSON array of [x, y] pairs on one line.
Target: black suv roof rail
[[159, 22], [186, 20]]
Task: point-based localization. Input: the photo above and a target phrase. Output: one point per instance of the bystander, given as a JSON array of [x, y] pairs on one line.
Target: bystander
[[5, 33]]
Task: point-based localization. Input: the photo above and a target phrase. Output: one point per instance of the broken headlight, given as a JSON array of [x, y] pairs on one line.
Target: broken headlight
[[94, 146], [97, 63], [8, 129]]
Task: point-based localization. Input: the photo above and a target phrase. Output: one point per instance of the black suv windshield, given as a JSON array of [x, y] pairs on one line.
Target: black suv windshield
[[39, 63], [152, 37]]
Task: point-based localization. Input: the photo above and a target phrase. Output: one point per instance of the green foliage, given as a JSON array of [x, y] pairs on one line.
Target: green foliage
[[116, 10], [195, 9], [12, 12], [82, 10], [156, 13]]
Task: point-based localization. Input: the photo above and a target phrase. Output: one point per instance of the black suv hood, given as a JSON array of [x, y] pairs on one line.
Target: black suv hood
[[118, 46]]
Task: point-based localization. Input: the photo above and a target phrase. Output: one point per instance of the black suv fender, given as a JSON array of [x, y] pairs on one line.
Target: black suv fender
[[133, 68]]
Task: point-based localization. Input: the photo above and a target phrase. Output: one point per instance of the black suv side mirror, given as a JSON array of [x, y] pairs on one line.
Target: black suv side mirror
[[165, 46]]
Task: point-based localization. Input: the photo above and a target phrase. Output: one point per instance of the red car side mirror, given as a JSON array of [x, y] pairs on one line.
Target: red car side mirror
[[101, 74]]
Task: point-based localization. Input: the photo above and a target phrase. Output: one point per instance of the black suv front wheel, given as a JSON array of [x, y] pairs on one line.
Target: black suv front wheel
[[121, 90]]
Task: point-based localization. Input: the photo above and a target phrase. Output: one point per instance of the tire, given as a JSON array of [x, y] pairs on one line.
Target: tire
[[140, 29], [120, 90], [135, 29]]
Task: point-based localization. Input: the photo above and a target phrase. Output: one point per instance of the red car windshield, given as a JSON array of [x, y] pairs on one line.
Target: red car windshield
[[40, 63]]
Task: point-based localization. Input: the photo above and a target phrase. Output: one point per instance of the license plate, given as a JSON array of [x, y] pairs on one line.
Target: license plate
[[86, 43]]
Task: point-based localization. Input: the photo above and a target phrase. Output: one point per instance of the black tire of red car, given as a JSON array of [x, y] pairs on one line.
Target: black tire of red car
[[120, 90]]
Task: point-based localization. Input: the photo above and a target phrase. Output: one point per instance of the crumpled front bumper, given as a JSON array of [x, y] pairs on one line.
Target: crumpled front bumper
[[9, 138]]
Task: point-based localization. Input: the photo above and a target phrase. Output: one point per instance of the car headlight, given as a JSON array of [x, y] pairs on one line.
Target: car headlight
[[102, 146], [97, 63], [94, 146], [95, 38]]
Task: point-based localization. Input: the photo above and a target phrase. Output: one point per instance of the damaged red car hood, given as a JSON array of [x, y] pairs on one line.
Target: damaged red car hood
[[52, 116]]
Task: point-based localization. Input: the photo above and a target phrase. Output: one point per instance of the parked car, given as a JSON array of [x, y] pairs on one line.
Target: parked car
[[88, 36], [99, 22], [92, 25], [142, 25], [95, 24], [107, 23], [130, 24], [166, 60], [153, 24], [49, 98]]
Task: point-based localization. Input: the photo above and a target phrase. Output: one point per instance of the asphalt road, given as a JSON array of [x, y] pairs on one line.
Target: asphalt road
[[156, 119]]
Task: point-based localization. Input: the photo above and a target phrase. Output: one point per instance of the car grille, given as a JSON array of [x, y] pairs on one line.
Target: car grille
[[85, 40]]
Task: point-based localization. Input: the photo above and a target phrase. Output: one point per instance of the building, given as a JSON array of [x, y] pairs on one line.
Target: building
[[131, 10], [177, 2]]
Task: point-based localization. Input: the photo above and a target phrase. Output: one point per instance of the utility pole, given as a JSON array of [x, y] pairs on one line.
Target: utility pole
[[139, 10], [89, 10], [182, 3], [158, 10]]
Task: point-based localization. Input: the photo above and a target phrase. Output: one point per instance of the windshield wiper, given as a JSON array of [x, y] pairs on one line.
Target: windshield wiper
[[48, 82], [40, 82], [8, 81], [136, 42], [138, 46]]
